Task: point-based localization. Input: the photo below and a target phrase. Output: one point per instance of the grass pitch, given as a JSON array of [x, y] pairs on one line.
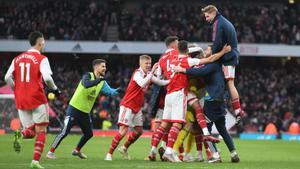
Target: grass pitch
[[254, 155]]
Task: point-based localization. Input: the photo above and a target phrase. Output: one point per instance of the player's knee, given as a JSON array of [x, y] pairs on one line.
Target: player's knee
[[63, 134], [156, 125], [139, 130], [41, 128], [89, 135], [123, 130], [221, 128], [188, 126], [178, 125], [165, 125]]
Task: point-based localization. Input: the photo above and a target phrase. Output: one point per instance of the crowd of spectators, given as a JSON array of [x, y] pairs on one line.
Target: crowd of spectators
[[275, 22], [254, 24], [58, 20], [269, 93]]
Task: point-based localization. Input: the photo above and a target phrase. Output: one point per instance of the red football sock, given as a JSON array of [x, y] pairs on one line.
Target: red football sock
[[115, 142], [205, 145], [52, 150], [157, 136], [39, 145], [133, 136], [28, 133], [199, 141], [181, 149], [32, 127], [200, 117], [207, 150], [172, 136], [165, 137]]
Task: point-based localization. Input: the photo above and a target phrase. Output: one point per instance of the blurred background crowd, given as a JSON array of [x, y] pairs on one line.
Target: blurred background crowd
[[273, 22]]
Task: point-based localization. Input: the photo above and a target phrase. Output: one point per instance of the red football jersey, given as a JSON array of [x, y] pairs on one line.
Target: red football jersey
[[178, 81], [29, 89], [165, 60], [134, 95]]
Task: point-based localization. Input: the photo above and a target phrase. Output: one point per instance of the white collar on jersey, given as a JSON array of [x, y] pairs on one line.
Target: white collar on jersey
[[33, 50]]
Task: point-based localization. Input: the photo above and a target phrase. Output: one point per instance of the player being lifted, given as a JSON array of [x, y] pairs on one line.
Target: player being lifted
[[25, 78], [80, 106], [130, 114], [223, 32]]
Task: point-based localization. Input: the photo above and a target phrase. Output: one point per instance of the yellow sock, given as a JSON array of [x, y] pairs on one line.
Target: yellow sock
[[181, 137], [189, 142]]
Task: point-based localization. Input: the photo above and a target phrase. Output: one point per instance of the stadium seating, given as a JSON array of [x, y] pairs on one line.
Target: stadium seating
[[78, 20]]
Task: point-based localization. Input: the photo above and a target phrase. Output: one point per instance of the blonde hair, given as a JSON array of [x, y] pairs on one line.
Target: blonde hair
[[209, 9], [145, 57]]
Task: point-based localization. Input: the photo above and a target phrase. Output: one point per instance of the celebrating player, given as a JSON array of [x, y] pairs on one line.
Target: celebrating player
[[171, 43], [130, 114], [80, 106], [191, 131], [25, 77]]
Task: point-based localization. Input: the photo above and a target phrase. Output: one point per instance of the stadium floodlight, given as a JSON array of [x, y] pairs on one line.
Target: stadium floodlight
[[291, 1]]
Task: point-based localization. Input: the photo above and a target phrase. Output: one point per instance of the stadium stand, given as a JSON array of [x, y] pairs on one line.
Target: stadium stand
[[274, 22]]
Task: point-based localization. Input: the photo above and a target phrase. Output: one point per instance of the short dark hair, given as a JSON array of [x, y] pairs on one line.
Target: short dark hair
[[183, 46], [33, 36], [98, 62], [170, 39]]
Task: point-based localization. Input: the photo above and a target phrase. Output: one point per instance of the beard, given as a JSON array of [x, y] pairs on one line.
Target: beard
[[101, 74]]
